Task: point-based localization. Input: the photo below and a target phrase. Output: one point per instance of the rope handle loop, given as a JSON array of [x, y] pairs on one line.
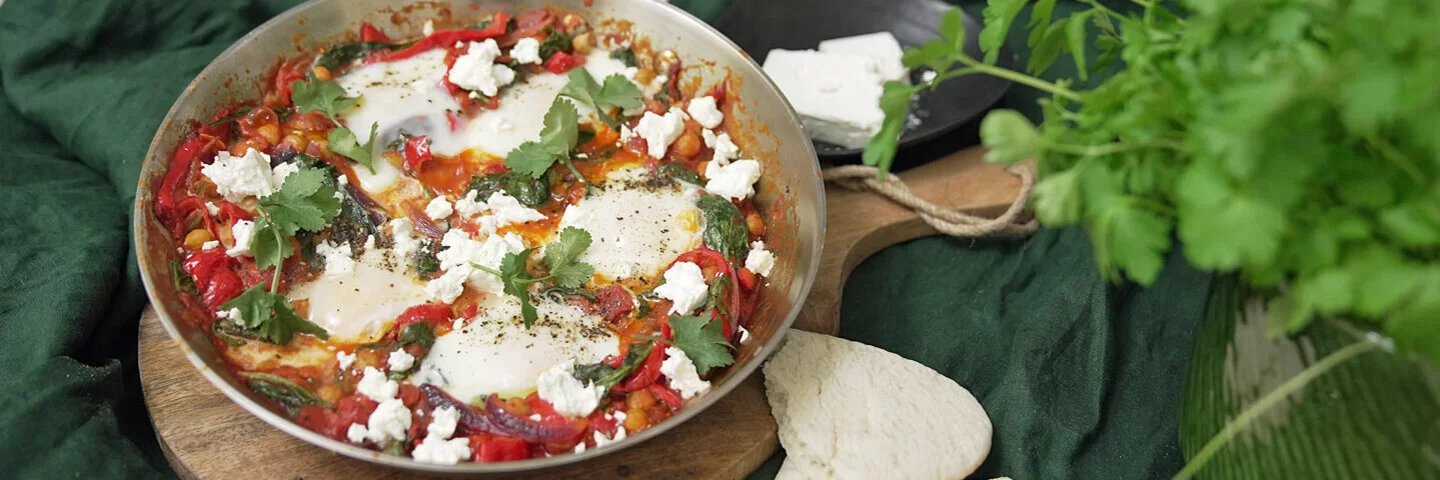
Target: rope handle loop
[[947, 221]]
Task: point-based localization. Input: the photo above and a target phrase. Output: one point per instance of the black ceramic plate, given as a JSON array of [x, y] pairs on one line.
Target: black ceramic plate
[[761, 25]]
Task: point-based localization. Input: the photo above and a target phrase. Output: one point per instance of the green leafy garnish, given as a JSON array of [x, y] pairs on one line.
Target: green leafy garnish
[[303, 203], [604, 375], [703, 341], [1291, 142], [239, 112], [561, 257], [725, 229], [425, 262], [324, 96], [530, 192], [616, 92], [342, 141], [557, 139], [271, 316], [288, 394], [339, 56], [626, 56], [679, 172], [184, 283], [418, 334], [554, 42]]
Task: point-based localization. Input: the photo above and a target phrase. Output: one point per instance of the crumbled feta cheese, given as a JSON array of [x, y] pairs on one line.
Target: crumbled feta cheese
[[579, 448], [244, 233], [602, 440], [461, 251], [400, 360], [476, 69], [240, 177], [735, 180], [232, 315], [760, 261], [744, 336], [369, 241], [284, 170], [725, 150], [440, 451], [527, 50], [377, 386], [210, 244], [345, 359], [569, 396], [338, 261], [443, 422], [685, 286], [704, 111], [212, 208], [390, 420], [506, 210], [403, 231], [681, 372], [535, 417], [429, 28], [446, 288], [356, 433], [625, 134], [469, 206], [438, 209], [660, 131], [343, 180]]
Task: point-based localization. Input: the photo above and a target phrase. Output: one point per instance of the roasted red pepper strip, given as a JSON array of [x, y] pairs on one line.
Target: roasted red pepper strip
[[562, 62], [177, 177], [646, 375], [195, 204], [417, 152], [703, 256], [665, 395], [434, 314], [446, 38], [368, 33], [490, 449]]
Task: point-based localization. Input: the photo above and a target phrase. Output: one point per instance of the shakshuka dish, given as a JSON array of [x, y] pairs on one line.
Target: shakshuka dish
[[493, 242]]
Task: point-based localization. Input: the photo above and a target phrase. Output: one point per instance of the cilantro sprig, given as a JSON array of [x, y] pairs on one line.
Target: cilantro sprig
[[303, 202], [330, 99], [562, 258], [616, 92], [558, 138], [702, 338], [1277, 140]]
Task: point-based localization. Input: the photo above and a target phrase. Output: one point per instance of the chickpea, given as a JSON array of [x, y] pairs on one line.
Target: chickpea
[[687, 145], [197, 238], [636, 420], [270, 131], [701, 167], [330, 392], [755, 224], [639, 400], [573, 22], [582, 43], [321, 73]]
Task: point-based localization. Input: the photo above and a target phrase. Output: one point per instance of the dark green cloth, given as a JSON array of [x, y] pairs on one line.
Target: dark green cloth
[[1080, 378]]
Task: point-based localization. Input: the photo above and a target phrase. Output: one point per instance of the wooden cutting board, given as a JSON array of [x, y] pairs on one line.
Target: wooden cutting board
[[205, 435]]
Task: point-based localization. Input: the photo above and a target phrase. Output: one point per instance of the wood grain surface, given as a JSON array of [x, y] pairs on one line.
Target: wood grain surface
[[205, 435]]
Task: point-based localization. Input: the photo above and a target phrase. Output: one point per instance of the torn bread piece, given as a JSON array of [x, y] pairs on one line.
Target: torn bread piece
[[850, 410]]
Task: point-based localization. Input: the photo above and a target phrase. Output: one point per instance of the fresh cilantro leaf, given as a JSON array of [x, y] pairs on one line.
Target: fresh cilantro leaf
[[1010, 137], [421, 334], [268, 245], [303, 202], [619, 92], [184, 283], [703, 341], [581, 87], [604, 375], [271, 315], [561, 129], [880, 150], [530, 158], [339, 56], [324, 96], [556, 41], [557, 139], [997, 15], [725, 229], [342, 141], [562, 256]]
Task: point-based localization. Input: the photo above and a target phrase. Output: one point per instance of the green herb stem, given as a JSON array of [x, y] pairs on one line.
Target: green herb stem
[[1395, 156], [575, 171], [1011, 75], [1112, 148], [1269, 400], [279, 242]]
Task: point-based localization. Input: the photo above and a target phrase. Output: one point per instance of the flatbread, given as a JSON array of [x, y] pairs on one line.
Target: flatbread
[[849, 410]]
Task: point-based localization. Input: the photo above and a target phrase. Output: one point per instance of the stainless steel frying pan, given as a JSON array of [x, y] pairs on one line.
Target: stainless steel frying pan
[[791, 195]]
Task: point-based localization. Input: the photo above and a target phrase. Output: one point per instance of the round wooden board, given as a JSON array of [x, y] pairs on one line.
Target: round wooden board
[[205, 435]]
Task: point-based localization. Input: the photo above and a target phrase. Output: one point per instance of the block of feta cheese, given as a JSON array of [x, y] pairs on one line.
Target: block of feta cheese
[[837, 95], [880, 47]]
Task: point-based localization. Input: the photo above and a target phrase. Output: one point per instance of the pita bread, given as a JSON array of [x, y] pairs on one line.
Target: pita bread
[[850, 410]]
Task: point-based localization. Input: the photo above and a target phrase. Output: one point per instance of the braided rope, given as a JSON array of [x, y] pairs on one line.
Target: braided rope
[[947, 221]]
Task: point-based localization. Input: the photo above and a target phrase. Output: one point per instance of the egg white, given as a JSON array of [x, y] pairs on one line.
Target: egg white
[[356, 307], [636, 227]]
